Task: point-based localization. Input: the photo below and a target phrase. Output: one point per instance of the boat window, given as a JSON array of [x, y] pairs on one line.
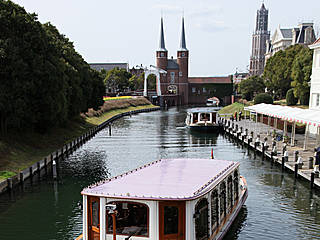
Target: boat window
[[131, 218], [230, 193], [171, 219], [214, 210], [223, 206], [195, 117], [201, 219], [95, 214], [204, 116], [236, 185]]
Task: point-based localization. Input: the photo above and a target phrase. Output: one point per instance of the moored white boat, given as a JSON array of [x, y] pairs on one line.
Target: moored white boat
[[203, 119], [182, 199]]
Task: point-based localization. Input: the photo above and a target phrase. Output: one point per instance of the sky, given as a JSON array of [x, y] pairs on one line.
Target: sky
[[218, 32]]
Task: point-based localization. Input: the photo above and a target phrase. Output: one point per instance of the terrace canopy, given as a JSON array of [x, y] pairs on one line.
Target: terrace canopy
[[291, 114]]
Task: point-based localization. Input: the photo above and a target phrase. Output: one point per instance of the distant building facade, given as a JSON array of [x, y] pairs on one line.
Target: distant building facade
[[283, 38], [109, 66], [202, 88], [190, 90], [238, 77], [314, 102], [259, 39]]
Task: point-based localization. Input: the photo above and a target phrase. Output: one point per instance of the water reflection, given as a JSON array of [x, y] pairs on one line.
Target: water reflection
[[278, 206]]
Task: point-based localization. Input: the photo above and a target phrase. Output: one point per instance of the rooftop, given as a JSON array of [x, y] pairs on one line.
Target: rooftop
[[204, 110], [209, 79], [165, 179]]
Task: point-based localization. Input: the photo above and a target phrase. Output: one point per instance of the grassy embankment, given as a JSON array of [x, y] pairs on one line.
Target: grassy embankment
[[235, 107], [20, 150]]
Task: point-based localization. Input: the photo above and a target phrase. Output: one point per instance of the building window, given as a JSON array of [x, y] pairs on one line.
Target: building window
[[194, 90], [204, 90], [317, 100], [172, 77], [131, 216], [180, 74]]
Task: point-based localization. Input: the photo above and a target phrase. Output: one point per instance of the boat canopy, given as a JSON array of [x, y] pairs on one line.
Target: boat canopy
[[204, 110], [165, 179], [305, 116]]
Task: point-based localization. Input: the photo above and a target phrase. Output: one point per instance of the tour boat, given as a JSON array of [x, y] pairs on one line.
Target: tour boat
[[213, 102], [178, 199], [203, 119]]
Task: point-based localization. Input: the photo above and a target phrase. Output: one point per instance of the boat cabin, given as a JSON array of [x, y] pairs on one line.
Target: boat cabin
[[180, 199], [202, 117]]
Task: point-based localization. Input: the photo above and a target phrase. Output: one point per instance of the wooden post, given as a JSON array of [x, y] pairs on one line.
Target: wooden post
[[296, 170], [312, 180], [10, 184], [109, 129], [21, 177], [54, 169], [38, 168]]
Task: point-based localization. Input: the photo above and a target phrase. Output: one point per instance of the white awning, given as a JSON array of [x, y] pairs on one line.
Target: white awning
[[292, 114]]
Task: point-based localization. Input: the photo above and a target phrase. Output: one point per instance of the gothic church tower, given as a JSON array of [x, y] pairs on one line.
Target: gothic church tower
[[259, 39], [177, 69]]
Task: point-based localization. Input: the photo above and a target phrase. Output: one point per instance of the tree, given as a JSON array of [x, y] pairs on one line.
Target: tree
[[277, 72], [301, 72], [117, 80], [136, 82], [44, 81], [152, 81], [251, 86]]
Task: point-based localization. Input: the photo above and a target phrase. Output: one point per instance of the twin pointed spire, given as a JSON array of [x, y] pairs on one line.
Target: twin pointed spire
[[183, 46], [162, 46]]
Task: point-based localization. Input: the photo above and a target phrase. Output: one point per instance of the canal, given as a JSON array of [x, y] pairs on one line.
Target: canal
[[278, 206]]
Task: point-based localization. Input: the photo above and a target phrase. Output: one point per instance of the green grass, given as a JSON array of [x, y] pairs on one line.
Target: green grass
[[6, 174], [110, 114], [235, 107], [283, 102], [20, 150]]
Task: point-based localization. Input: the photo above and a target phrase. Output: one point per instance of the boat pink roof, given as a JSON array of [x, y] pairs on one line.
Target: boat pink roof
[[165, 179]]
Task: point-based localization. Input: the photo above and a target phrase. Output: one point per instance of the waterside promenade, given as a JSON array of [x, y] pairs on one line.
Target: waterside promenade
[[299, 159]]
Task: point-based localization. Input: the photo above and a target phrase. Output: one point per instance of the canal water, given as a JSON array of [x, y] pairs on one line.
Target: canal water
[[278, 207]]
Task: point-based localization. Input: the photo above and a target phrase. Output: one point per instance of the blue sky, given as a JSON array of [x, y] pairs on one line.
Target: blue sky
[[218, 33]]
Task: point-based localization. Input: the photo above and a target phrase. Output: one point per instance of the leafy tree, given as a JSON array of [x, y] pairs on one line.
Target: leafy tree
[[152, 81], [117, 80], [277, 72], [251, 86], [301, 72], [44, 81], [136, 82]]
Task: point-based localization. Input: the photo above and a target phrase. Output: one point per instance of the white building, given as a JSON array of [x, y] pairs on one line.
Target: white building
[[314, 102], [284, 38]]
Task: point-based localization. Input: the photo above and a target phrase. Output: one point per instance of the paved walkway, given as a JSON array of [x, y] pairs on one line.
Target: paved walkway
[[265, 131]]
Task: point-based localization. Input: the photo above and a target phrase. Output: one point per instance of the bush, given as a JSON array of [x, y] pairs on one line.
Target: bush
[[263, 98], [290, 98], [304, 99]]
